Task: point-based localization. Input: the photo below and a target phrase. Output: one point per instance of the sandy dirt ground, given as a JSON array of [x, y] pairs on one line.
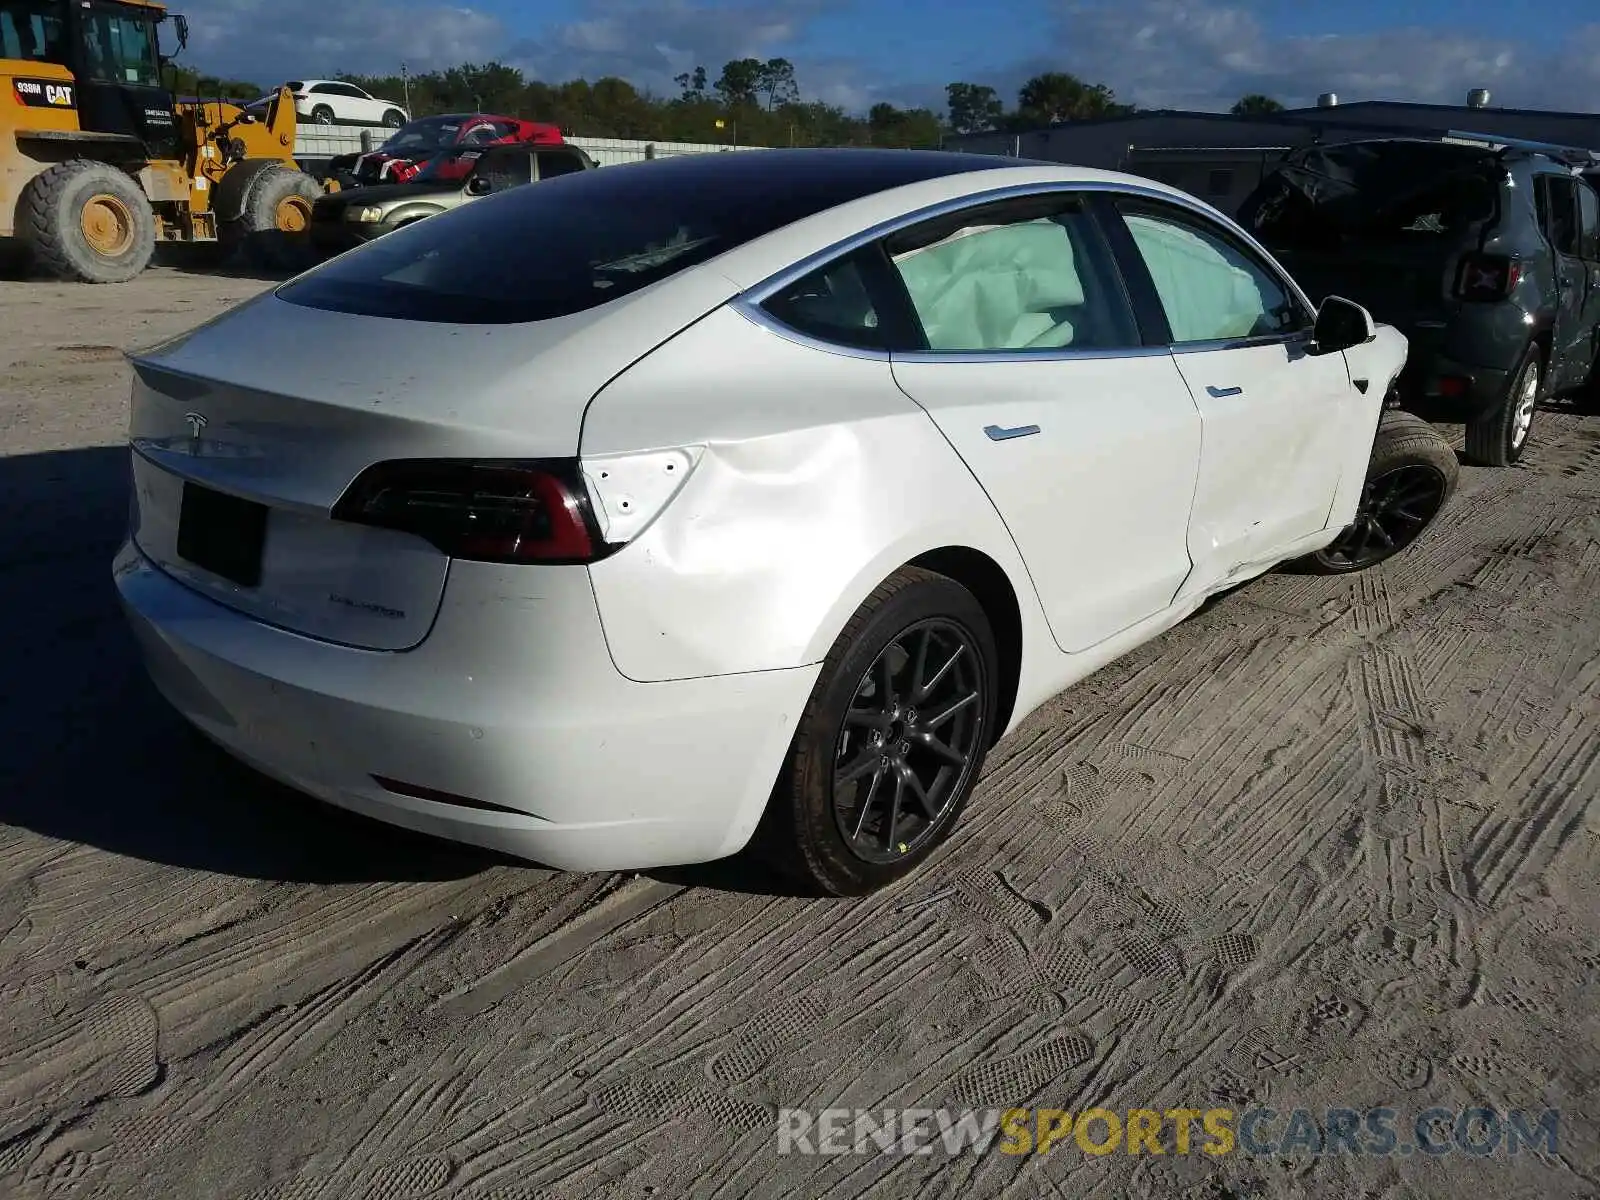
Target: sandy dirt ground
[[1329, 844]]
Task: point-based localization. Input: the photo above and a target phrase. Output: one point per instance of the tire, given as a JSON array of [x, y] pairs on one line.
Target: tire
[[802, 834], [1499, 436], [394, 118], [228, 203], [322, 115], [275, 226], [87, 221], [1415, 467]]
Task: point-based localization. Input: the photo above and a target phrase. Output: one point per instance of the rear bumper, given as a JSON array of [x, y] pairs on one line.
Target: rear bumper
[[1455, 390], [512, 701]]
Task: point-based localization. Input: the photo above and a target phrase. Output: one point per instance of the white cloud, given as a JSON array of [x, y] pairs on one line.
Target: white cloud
[[650, 44], [647, 44], [1200, 54], [271, 40], [1204, 55]]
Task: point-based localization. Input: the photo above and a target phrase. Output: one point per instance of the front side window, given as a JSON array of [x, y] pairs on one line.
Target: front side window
[[832, 304], [558, 163], [32, 30], [1211, 288], [1558, 211], [1032, 274], [119, 47], [1588, 222], [504, 171]]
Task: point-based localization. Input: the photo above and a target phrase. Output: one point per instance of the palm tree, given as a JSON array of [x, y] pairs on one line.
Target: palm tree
[[1256, 105]]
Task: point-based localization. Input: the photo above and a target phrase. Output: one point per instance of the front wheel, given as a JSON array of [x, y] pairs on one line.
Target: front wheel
[[892, 740], [1499, 436], [394, 118], [1411, 474], [275, 226]]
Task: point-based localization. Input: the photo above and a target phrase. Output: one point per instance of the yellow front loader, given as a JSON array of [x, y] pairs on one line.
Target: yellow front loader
[[99, 162]]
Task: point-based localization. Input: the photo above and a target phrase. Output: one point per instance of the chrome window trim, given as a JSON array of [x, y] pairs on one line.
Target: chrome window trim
[[1266, 339], [993, 356], [764, 320], [748, 303]]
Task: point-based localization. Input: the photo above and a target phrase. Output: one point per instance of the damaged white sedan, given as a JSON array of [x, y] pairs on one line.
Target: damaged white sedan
[[622, 520]]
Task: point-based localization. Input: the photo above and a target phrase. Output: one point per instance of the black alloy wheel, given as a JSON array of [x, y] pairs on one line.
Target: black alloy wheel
[[909, 741], [891, 742], [1395, 507]]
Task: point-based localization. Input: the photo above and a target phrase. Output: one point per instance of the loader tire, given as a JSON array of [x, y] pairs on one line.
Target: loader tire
[[275, 226], [87, 221], [228, 203]]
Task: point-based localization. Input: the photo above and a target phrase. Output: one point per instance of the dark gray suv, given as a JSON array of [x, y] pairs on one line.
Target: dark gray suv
[[1486, 256]]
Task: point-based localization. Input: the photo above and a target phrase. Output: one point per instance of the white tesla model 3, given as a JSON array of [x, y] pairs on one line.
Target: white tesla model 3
[[607, 520]]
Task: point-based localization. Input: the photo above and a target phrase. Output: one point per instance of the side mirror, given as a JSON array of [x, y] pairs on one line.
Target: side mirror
[[480, 185], [1341, 325], [180, 26]]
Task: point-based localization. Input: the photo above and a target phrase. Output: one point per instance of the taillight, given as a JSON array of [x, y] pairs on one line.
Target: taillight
[[1487, 277], [488, 511]]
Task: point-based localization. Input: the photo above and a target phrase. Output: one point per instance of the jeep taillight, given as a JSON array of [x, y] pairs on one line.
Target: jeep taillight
[[1487, 277]]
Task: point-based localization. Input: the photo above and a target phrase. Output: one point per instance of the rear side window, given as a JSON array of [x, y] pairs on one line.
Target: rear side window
[[537, 253], [32, 30], [1557, 199], [832, 304]]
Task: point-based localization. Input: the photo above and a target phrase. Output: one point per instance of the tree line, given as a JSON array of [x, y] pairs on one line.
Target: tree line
[[750, 102]]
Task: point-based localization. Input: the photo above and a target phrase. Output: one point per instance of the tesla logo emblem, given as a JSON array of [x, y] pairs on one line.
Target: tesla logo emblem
[[196, 424]]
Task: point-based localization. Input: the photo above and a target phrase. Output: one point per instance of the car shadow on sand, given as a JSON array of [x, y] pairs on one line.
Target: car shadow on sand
[[91, 752]]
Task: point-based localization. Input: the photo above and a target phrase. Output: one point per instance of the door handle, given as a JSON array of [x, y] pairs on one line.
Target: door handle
[[1217, 393], [999, 433]]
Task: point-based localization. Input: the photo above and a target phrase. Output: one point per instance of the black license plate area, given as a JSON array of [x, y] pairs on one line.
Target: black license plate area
[[222, 534]]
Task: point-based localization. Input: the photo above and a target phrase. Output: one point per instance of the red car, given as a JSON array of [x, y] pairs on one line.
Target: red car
[[414, 143]]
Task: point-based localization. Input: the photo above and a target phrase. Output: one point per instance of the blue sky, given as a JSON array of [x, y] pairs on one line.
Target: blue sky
[[1179, 53]]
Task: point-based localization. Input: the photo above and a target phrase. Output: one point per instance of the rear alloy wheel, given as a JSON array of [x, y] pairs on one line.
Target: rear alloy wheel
[[322, 115], [892, 741], [1498, 438], [1412, 474]]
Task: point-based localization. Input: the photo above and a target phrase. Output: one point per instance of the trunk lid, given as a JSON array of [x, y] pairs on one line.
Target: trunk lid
[[278, 407], [1383, 223]]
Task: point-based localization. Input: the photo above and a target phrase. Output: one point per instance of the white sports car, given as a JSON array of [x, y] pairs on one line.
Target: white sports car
[[606, 521]]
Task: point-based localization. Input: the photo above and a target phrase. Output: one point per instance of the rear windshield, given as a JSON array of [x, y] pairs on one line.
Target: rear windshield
[[426, 134], [1376, 192], [570, 244]]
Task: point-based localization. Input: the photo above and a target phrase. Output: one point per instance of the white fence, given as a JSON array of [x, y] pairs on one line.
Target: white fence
[[325, 141]]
